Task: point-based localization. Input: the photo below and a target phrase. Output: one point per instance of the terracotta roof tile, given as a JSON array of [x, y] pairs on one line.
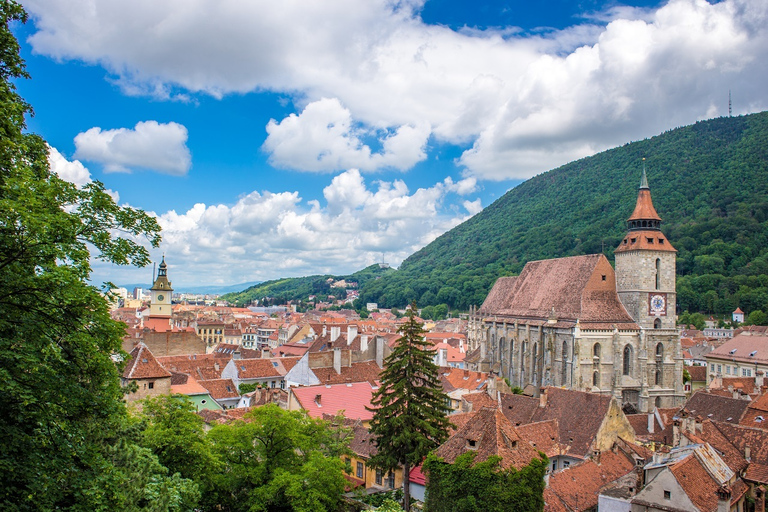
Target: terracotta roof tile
[[488, 432], [220, 388], [578, 287], [143, 365], [711, 406], [578, 487], [364, 371]]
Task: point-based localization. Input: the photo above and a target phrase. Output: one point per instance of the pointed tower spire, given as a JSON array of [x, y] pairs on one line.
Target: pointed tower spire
[[644, 217], [644, 179]]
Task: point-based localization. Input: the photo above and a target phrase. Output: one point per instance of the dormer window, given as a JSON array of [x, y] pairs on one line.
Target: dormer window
[[471, 444], [650, 240], [634, 240]]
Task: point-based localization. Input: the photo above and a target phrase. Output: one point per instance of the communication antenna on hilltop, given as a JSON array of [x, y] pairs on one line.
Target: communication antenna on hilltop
[[730, 111]]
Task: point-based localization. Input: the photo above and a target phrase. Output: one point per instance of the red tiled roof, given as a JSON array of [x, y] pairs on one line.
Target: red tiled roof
[[352, 398], [574, 287], [143, 365], [741, 346], [578, 487], [220, 388], [364, 371], [488, 432]]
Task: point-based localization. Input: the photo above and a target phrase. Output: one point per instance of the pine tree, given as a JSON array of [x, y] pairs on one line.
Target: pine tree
[[410, 406]]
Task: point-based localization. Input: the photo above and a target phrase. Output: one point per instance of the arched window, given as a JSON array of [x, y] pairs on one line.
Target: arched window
[[564, 373], [658, 402], [627, 359], [658, 271], [657, 323], [502, 348], [596, 352], [658, 377], [659, 351], [534, 355], [596, 379]]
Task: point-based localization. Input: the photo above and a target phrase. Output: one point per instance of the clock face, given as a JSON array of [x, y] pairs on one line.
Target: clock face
[[657, 304], [160, 297]]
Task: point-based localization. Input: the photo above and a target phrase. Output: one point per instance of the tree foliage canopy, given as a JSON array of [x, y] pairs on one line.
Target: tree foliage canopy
[[64, 435], [465, 487]]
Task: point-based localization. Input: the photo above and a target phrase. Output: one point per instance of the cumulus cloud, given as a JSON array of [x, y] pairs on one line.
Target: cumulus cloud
[[361, 69], [72, 171], [325, 138], [268, 234], [160, 147]]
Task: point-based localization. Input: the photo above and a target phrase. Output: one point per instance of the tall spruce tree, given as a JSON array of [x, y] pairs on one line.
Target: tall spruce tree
[[410, 406]]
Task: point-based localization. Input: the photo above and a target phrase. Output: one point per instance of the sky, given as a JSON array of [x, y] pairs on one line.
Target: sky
[[284, 139]]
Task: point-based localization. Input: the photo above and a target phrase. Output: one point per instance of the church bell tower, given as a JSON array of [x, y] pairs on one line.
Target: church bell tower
[[645, 266], [160, 305]]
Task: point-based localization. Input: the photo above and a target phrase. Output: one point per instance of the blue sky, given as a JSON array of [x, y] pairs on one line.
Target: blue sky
[[279, 139]]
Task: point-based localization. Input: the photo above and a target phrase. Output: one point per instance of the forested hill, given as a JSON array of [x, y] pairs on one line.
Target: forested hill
[[708, 182]]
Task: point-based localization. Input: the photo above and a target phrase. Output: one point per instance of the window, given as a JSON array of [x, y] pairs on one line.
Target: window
[[151, 385], [727, 370], [712, 368], [719, 368], [627, 359], [658, 272], [554, 465], [378, 477], [391, 480], [667, 495], [659, 350], [566, 463], [596, 379], [359, 470], [603, 277]]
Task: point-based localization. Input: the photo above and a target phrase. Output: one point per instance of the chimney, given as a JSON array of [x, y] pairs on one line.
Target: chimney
[[335, 332], [351, 333], [748, 453], [379, 351], [236, 354], [216, 366], [442, 358], [363, 342], [325, 330], [337, 359], [265, 352], [543, 397], [651, 422], [724, 499]]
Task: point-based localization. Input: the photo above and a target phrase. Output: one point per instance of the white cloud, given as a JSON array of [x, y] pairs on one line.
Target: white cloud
[[324, 138], [73, 172], [266, 234], [161, 147], [525, 103]]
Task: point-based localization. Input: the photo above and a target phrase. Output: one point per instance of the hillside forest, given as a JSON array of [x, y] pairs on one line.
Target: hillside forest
[[708, 184]]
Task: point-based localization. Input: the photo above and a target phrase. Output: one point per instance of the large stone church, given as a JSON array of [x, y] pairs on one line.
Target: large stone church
[[578, 323]]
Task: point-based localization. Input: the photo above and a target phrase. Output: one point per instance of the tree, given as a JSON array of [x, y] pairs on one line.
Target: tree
[[465, 486], [59, 385], [277, 460], [175, 434], [410, 406]]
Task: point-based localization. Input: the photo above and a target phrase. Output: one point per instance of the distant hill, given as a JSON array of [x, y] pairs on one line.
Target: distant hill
[[709, 183], [213, 289], [300, 288]]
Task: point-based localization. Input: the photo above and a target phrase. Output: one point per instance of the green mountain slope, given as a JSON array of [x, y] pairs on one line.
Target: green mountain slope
[[278, 291], [708, 182]]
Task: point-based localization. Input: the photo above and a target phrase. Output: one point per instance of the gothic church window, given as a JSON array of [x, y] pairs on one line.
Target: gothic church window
[[627, 359], [657, 323], [658, 272]]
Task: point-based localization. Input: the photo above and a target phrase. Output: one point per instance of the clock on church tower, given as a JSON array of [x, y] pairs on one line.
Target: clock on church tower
[[160, 305]]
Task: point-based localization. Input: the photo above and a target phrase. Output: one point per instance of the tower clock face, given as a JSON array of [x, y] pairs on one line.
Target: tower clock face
[[657, 304], [160, 297]]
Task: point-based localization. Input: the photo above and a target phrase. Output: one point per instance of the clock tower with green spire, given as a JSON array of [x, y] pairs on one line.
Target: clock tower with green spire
[[160, 305]]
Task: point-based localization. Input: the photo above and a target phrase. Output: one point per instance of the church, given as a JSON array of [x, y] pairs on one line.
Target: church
[[579, 324]]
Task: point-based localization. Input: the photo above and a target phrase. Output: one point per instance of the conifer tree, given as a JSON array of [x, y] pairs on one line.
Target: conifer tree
[[410, 406]]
